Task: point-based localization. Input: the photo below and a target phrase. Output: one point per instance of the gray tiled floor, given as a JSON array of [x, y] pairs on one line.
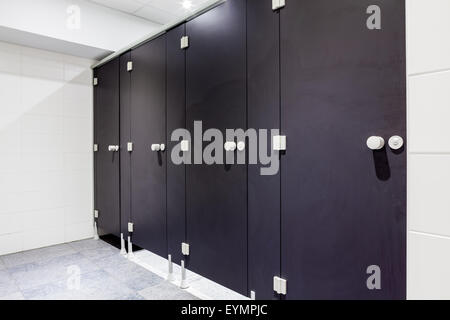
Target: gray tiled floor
[[51, 273]]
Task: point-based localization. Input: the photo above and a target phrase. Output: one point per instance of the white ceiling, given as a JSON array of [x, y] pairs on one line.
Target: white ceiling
[[159, 11]]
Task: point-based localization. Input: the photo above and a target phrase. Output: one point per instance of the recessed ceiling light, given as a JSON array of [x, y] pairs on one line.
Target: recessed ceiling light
[[187, 4]]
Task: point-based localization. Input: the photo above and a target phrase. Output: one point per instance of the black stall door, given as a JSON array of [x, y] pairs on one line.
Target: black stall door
[[148, 168], [107, 162], [176, 119], [263, 56], [343, 205], [216, 195]]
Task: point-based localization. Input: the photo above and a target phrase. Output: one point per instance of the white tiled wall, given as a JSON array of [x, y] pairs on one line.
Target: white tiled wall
[[428, 56], [45, 148]]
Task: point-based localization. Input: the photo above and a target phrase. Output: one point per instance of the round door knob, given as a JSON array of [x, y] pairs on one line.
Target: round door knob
[[156, 147], [375, 143], [230, 146], [396, 142], [113, 148], [241, 146]]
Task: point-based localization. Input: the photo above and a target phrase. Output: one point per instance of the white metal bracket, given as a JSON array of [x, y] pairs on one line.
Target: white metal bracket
[[279, 143], [185, 146], [184, 42], [130, 146], [185, 249], [95, 81], [278, 4], [129, 66], [95, 147], [280, 285], [95, 214], [130, 226]]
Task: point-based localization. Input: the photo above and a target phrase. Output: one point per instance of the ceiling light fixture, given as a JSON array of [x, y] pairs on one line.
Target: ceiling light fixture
[[187, 4]]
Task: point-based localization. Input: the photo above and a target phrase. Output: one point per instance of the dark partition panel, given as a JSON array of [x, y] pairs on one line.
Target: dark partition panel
[[125, 138], [217, 194], [176, 118], [343, 205], [148, 168], [108, 161], [263, 113]]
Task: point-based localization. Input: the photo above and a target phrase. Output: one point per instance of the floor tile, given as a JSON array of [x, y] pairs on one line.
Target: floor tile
[[88, 245], [7, 285], [13, 296], [165, 291]]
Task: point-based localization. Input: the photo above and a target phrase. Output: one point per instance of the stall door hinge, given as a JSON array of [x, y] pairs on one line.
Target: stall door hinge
[[130, 146], [280, 285], [95, 81], [185, 249], [130, 226], [185, 42], [95, 214], [95, 147], [279, 143], [129, 66], [278, 4]]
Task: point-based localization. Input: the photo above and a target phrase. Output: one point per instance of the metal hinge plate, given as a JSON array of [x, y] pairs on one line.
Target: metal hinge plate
[[278, 4], [130, 146], [95, 214], [130, 226], [185, 249], [95, 81], [279, 143], [184, 42], [280, 285], [129, 66], [95, 147]]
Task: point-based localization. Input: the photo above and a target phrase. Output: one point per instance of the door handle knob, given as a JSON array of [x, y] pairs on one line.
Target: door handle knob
[[113, 148], [158, 147], [375, 143], [241, 146], [396, 142], [230, 146]]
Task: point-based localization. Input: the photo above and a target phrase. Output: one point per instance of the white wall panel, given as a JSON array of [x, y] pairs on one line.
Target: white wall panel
[[46, 161], [428, 26], [428, 60]]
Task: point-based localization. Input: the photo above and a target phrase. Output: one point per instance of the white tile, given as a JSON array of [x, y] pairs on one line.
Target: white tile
[[44, 219], [10, 243], [79, 231], [78, 70], [77, 100], [9, 58], [46, 124], [41, 142], [42, 64], [8, 162], [40, 160], [10, 92], [10, 138], [428, 265], [39, 238], [78, 189], [79, 161], [428, 29], [77, 135], [429, 205], [42, 96], [11, 223], [78, 214], [429, 111]]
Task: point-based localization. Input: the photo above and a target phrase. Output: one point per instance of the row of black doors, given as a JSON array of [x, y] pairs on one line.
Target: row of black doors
[[316, 71]]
